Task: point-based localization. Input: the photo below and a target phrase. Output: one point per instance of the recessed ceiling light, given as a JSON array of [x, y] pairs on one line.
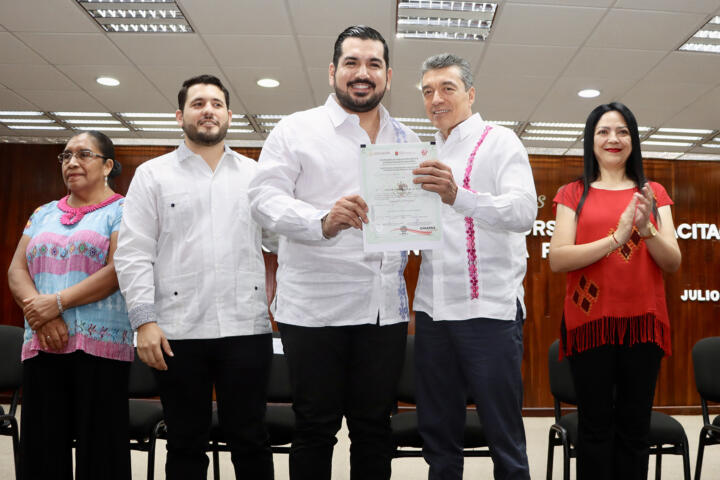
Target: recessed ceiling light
[[268, 82], [589, 93], [108, 81]]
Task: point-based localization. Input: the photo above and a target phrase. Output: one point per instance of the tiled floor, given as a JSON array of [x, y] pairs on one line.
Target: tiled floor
[[416, 469]]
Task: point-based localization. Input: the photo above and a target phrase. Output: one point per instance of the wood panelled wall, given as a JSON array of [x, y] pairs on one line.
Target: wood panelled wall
[[32, 177]]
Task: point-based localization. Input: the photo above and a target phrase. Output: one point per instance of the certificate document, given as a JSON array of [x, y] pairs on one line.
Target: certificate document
[[402, 215]]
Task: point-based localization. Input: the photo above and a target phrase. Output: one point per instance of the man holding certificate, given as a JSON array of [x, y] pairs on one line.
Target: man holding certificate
[[469, 299], [342, 313]]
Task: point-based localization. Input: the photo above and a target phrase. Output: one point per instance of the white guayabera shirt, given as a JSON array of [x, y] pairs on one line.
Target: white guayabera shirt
[[309, 161], [189, 254], [485, 227]]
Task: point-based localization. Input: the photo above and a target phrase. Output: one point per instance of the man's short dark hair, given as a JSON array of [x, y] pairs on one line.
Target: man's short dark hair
[[203, 79], [364, 33]]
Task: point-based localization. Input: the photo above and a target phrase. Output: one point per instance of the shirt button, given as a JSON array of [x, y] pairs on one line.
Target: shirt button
[[172, 205], [175, 294]]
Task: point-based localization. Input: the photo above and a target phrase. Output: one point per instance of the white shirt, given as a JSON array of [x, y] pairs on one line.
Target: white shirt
[[189, 254], [310, 160], [502, 204]]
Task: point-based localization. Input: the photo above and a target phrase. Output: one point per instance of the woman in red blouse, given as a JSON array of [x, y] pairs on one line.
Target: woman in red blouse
[[614, 236]]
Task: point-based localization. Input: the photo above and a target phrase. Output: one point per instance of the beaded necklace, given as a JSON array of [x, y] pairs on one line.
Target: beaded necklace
[[74, 215]]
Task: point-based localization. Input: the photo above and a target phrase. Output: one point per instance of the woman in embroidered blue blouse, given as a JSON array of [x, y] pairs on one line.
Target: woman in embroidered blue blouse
[[78, 340]]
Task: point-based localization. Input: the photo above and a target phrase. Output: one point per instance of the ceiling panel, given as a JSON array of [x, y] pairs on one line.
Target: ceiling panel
[[14, 51], [514, 97], [245, 80], [63, 101], [611, 62], [703, 113], [544, 25], [568, 3], [330, 17], [74, 48], [644, 30], [404, 95], [320, 84], [409, 53], [234, 17], [9, 100], [163, 49], [134, 92], [688, 67], [562, 103], [694, 6], [273, 104], [522, 59], [169, 79], [254, 50], [318, 50], [45, 16], [670, 95], [34, 77]]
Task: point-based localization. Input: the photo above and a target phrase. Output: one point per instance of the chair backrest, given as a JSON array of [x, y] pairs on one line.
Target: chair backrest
[[406, 385], [279, 388], [142, 380], [561, 381], [706, 358], [11, 341]]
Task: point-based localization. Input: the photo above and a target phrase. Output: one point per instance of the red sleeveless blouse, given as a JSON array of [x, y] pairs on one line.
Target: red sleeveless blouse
[[620, 299]]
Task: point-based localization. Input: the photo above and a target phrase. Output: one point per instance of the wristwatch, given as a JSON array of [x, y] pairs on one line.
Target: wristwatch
[[651, 230]]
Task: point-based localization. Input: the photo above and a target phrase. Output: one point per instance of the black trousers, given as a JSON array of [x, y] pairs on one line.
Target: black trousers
[[480, 358], [615, 386], [239, 368], [80, 396], [349, 371]]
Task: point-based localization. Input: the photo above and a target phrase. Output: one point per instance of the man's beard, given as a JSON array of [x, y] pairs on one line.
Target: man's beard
[[207, 139], [359, 105]]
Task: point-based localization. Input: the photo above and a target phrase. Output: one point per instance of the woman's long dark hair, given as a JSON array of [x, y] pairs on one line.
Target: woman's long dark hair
[[591, 169]]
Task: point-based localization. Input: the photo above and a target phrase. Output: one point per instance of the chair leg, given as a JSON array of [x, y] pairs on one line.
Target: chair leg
[[566, 459], [686, 458], [701, 450], [151, 458], [658, 463], [551, 454], [16, 446]]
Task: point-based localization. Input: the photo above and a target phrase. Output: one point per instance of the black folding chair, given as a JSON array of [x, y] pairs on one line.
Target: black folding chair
[[706, 358], [667, 435], [11, 340]]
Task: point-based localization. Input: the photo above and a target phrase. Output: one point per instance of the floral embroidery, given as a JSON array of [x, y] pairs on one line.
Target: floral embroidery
[[470, 225], [403, 309], [400, 136]]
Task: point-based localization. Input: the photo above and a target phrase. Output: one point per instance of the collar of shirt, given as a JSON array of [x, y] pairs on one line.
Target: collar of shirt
[[338, 115], [184, 152], [461, 130]]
